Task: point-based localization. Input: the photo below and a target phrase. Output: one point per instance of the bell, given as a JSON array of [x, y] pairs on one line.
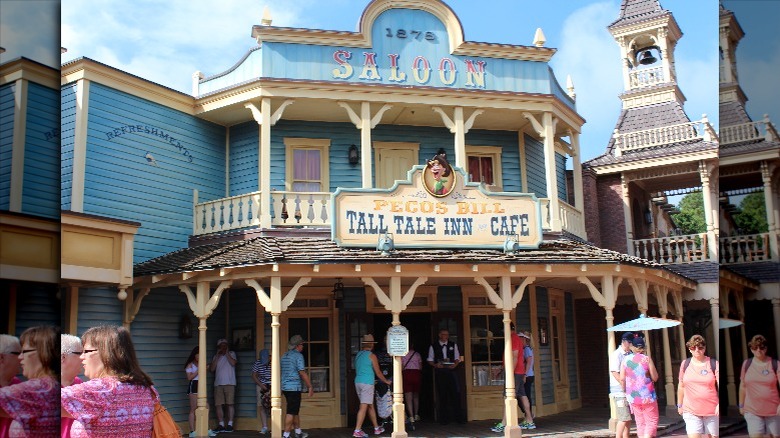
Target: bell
[[647, 58]]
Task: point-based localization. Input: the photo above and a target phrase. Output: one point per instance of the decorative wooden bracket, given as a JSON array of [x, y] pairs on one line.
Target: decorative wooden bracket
[[358, 121], [390, 301], [268, 301], [640, 286], [258, 115], [450, 124], [610, 285], [132, 305], [202, 305], [508, 299]]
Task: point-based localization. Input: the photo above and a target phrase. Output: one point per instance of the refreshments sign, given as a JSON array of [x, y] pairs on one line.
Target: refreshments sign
[[435, 208]]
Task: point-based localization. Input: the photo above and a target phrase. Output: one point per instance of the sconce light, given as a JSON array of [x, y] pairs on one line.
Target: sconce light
[[385, 244], [511, 244], [338, 292], [185, 327], [353, 155], [648, 216]]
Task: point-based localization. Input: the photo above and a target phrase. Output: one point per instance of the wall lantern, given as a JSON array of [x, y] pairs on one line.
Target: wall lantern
[[338, 292], [353, 155], [185, 327]]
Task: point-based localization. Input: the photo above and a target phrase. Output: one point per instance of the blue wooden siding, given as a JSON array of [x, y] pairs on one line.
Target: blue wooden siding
[[244, 149], [510, 155], [41, 189], [67, 130], [534, 162], [98, 306], [7, 117], [242, 315], [430, 139], [121, 183], [560, 177], [523, 314], [571, 348], [544, 353], [36, 304]]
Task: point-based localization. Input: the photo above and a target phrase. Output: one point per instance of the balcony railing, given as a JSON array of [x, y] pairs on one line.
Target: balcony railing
[[312, 209], [673, 249], [745, 249], [761, 130], [663, 136], [646, 77]]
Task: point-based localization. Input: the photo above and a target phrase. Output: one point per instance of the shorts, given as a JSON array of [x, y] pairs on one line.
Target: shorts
[[260, 393], [365, 393], [622, 410], [192, 388], [293, 402], [224, 394], [695, 424], [520, 386], [757, 425], [412, 380]]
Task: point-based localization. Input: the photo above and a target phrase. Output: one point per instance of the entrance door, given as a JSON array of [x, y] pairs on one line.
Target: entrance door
[[453, 322], [393, 161], [358, 324]]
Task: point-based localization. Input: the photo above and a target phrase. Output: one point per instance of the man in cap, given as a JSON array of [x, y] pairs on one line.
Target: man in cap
[[223, 365], [366, 367], [293, 374], [623, 414]]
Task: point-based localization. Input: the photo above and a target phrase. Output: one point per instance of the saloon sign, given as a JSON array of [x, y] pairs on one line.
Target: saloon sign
[[419, 214]]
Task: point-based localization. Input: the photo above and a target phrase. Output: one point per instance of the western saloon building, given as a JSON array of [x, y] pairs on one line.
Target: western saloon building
[[295, 193]]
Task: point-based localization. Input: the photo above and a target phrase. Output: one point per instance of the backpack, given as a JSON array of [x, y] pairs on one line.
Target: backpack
[[746, 365], [713, 363]]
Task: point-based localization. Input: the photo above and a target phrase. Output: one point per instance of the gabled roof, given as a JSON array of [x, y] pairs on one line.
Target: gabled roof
[[635, 11]]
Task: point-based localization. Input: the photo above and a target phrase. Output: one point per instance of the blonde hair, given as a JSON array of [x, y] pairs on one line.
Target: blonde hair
[[9, 343], [758, 341], [696, 341]]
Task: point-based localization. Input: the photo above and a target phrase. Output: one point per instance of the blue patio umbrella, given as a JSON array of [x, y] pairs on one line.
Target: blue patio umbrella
[[644, 322], [725, 323]]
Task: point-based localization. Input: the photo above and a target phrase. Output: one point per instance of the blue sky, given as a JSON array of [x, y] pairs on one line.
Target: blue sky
[[166, 41]]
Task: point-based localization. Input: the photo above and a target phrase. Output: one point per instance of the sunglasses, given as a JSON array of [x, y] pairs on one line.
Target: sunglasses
[[32, 350], [699, 347], [77, 353], [15, 353], [759, 348], [89, 351]]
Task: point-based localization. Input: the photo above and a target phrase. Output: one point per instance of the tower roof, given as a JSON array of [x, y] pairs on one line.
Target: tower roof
[[634, 11]]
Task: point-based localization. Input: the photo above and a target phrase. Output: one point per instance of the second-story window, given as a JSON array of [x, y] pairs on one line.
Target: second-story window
[[307, 160], [484, 164], [481, 169]]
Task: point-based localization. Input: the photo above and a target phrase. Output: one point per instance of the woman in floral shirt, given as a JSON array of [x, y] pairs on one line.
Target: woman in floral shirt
[[638, 374], [118, 400], [33, 404]]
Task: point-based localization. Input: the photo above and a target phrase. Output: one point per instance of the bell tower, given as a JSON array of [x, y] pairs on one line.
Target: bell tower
[[732, 98], [647, 35]]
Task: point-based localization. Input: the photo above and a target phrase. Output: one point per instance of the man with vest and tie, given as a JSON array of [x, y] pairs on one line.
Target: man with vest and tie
[[444, 357]]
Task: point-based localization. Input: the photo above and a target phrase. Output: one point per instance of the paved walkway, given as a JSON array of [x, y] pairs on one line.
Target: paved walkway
[[581, 423]]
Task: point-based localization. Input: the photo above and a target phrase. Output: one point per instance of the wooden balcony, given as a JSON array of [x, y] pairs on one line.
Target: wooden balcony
[[746, 249], [312, 210], [630, 141], [673, 249], [761, 130]]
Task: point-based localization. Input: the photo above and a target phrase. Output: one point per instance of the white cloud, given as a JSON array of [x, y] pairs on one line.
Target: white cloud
[[759, 78]]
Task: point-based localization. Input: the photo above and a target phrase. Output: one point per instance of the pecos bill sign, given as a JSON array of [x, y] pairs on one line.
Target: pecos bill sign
[[433, 209]]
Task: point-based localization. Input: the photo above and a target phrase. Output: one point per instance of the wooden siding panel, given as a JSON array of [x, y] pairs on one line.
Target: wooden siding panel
[[121, 183], [36, 304], [560, 176], [571, 348], [244, 150], [98, 306], [67, 132], [510, 155], [545, 352], [6, 142], [40, 190], [523, 314], [534, 161]]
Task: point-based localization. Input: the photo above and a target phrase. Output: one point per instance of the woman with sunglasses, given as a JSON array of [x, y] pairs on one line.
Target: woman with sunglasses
[[33, 405], [118, 399], [759, 401], [697, 393]]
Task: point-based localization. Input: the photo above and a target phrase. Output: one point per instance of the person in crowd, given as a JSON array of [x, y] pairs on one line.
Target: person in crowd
[[518, 365], [444, 357], [33, 405], [191, 370], [528, 358], [70, 367], [697, 392], [383, 392], [366, 367], [638, 374], [10, 349], [223, 365], [293, 378], [118, 399], [759, 400], [622, 411], [261, 374], [412, 378]]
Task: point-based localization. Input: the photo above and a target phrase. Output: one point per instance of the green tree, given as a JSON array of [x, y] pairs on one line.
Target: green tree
[[690, 219], [752, 216]]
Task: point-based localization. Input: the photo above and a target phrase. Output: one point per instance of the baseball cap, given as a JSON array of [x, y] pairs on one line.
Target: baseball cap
[[221, 341], [628, 336], [638, 342]]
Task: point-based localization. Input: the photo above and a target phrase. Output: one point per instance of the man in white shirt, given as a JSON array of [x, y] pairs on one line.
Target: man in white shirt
[[444, 357], [223, 365], [623, 414]]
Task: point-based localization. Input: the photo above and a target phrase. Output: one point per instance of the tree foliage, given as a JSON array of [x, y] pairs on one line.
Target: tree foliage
[[690, 219], [752, 216]]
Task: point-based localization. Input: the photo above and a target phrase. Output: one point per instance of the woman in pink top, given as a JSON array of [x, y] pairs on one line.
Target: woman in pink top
[[33, 404], [638, 374], [759, 401], [697, 394], [118, 399]]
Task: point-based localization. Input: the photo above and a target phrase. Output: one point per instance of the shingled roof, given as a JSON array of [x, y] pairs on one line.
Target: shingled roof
[[732, 113], [635, 11], [761, 272], [267, 250]]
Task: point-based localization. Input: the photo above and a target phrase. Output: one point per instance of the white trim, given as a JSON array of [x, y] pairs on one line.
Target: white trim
[[26, 273], [17, 153], [80, 147], [321, 144]]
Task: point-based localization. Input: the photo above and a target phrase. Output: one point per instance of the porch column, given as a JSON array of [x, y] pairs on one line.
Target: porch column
[[550, 171], [742, 334], [715, 313], [365, 123], [665, 58], [202, 305], [627, 214], [579, 201], [710, 215], [662, 295], [776, 314], [769, 196], [678, 312], [458, 126], [731, 386]]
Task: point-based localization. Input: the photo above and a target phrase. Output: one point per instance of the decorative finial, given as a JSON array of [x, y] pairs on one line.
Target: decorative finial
[[539, 38], [570, 87], [266, 20]]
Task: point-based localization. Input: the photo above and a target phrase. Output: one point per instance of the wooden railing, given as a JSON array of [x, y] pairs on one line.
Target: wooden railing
[[673, 249], [664, 135], [309, 209], [745, 249], [226, 214], [572, 220], [761, 130], [646, 77]]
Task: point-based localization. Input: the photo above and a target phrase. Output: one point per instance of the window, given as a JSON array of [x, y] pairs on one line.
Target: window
[[316, 349], [484, 164], [307, 169], [487, 350]]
